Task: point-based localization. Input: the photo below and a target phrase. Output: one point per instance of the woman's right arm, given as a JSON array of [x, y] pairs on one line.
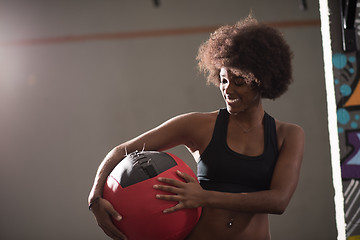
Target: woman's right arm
[[174, 132]]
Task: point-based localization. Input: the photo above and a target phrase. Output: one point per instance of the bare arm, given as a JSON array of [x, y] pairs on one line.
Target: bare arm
[[174, 132], [274, 200]]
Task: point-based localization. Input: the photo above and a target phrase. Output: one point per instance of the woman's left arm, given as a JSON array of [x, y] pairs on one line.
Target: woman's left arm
[[275, 200]]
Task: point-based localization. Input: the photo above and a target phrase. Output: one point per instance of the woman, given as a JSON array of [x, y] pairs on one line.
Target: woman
[[248, 162]]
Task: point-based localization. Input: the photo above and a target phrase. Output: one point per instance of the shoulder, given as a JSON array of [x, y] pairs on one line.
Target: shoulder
[[196, 128], [195, 118], [189, 124], [289, 132], [185, 129], [288, 128]]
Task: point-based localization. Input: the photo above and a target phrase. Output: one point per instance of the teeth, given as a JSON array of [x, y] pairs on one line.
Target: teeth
[[233, 100]]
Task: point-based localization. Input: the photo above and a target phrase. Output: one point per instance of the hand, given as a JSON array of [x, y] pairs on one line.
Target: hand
[[189, 194], [103, 210]]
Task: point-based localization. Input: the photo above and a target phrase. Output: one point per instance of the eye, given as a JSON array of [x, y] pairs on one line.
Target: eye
[[239, 81]]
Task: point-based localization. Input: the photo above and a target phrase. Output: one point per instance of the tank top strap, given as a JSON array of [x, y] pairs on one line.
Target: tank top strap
[[221, 126], [270, 134], [220, 131], [220, 169]]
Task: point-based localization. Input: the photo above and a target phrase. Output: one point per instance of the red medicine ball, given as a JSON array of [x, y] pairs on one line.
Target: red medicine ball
[[129, 188]]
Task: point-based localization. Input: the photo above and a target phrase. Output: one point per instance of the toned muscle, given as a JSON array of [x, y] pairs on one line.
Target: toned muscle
[[201, 127]]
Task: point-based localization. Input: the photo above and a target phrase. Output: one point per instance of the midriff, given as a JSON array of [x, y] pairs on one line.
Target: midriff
[[215, 224]]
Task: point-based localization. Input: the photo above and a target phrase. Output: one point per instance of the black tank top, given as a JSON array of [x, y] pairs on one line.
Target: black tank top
[[221, 169]]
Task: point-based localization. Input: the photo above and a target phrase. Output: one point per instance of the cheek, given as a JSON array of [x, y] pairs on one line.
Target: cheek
[[221, 87], [256, 96]]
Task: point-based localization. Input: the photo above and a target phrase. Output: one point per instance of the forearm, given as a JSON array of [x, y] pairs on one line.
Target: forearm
[[106, 166], [257, 202]]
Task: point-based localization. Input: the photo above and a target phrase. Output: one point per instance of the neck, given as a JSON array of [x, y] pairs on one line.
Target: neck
[[249, 114], [249, 118]]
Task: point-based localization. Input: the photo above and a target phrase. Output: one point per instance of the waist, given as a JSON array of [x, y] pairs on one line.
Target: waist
[[224, 224]]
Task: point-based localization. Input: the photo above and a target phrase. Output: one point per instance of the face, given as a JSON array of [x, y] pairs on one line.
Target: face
[[238, 94]]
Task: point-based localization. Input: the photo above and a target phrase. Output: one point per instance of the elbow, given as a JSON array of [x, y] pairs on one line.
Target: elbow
[[278, 210], [280, 206]]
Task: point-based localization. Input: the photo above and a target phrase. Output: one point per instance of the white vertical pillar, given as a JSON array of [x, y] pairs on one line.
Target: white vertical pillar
[[332, 120]]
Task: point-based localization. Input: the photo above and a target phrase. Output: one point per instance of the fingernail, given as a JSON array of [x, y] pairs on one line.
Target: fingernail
[[178, 171], [160, 178], [155, 186], [157, 196], [118, 218]]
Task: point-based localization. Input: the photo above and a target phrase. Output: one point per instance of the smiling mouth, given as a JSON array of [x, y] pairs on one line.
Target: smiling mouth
[[232, 100]]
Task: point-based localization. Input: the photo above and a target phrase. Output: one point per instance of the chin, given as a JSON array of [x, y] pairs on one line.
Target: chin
[[232, 110], [235, 110]]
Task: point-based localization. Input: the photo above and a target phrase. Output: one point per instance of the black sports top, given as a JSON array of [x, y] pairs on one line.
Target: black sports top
[[221, 169]]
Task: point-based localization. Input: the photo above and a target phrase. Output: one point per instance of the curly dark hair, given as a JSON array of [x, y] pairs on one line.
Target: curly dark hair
[[249, 47]]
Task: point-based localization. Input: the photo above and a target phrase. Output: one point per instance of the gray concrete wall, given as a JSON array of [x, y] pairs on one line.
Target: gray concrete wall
[[65, 105]]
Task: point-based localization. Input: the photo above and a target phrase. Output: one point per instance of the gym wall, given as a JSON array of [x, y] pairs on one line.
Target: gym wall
[[79, 77]]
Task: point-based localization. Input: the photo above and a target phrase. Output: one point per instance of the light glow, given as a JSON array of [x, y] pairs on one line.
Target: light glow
[[332, 120]]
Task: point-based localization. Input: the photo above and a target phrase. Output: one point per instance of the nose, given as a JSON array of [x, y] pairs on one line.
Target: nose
[[228, 88]]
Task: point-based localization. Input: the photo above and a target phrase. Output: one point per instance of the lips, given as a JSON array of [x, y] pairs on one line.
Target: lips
[[232, 100]]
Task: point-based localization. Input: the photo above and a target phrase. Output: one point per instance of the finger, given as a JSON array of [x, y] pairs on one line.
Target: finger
[[109, 233], [111, 210], [117, 236], [112, 231], [115, 214], [173, 209], [174, 198], [171, 181], [169, 189], [116, 233], [186, 176], [104, 220]]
